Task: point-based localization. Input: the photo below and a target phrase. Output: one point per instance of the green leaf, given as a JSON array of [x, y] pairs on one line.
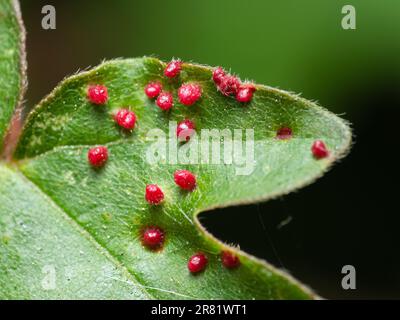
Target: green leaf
[[45, 254], [54, 205], [12, 64]]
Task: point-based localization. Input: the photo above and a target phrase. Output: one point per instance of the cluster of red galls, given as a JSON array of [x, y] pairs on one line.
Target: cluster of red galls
[[188, 94], [229, 85], [153, 237], [98, 95]]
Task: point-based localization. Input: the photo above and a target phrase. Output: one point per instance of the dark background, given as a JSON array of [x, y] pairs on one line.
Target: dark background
[[350, 216]]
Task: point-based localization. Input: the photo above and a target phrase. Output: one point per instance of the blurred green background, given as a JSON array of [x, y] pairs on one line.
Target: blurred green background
[[348, 217]]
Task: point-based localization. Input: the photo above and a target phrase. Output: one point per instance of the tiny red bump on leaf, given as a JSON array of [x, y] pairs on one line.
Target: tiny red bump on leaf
[[165, 101], [154, 194], [319, 149], [229, 85], [153, 89], [218, 75], [245, 93], [125, 119], [184, 130], [97, 94], [98, 156], [284, 133], [153, 237], [185, 179], [173, 68], [197, 262], [229, 259], [189, 93]]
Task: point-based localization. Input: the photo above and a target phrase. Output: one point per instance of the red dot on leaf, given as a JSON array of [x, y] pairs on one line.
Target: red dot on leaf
[[154, 194], [165, 101], [319, 149], [173, 68], [284, 133], [153, 89], [125, 119], [185, 129], [153, 237], [97, 94], [189, 93], [229, 259], [98, 156], [229, 85], [245, 93], [218, 75], [197, 263], [185, 179]]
